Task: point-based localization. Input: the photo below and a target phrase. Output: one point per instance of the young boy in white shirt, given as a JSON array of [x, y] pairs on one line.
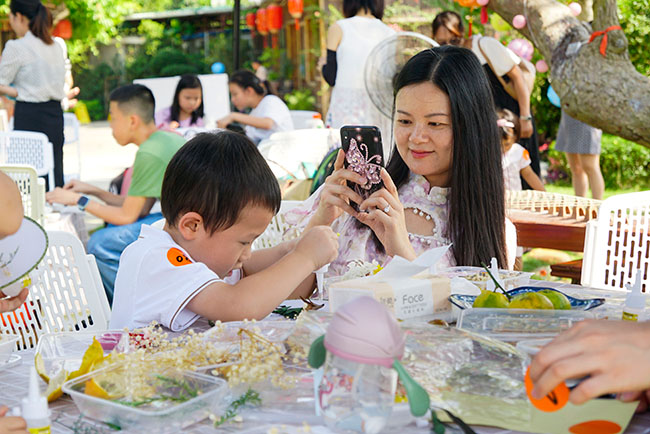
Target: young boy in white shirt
[[218, 196]]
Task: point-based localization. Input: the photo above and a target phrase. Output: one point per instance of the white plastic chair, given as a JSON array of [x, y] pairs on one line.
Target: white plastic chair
[[273, 234], [71, 135], [287, 152], [32, 189], [617, 244], [4, 120], [28, 148], [66, 294]]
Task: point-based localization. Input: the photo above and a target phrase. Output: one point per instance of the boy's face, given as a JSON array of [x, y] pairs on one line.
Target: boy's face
[[226, 250], [121, 124]]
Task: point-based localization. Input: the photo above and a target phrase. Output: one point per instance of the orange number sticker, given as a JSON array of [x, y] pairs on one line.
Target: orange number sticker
[[554, 401], [177, 258]]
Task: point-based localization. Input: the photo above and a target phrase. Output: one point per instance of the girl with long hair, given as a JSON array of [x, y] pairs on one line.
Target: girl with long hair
[[187, 107], [443, 183], [269, 113]]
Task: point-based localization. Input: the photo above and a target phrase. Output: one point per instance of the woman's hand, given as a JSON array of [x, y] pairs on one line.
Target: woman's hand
[[13, 303], [336, 195], [385, 216], [525, 128]]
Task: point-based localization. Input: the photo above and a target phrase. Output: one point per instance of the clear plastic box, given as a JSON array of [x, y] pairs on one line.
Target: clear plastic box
[[532, 346], [65, 350], [209, 396], [514, 325], [7, 346], [479, 277]]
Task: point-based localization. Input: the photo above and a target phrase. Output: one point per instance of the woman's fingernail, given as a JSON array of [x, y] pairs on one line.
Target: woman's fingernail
[[535, 393]]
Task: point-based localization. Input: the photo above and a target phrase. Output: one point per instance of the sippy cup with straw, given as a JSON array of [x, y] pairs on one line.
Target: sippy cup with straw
[[357, 391]]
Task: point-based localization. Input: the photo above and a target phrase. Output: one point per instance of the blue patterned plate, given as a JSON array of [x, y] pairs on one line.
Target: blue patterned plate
[[466, 301]]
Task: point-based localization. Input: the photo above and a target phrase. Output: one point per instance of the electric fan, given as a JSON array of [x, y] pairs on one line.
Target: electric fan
[[385, 61]]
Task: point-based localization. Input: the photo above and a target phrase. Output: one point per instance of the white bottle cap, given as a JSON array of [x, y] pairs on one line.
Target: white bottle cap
[[635, 298], [35, 405]]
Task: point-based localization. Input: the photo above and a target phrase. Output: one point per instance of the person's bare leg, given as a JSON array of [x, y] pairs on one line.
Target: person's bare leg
[[591, 166], [578, 176]]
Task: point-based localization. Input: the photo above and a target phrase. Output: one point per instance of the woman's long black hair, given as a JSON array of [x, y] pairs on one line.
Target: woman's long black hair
[[187, 81], [476, 199]]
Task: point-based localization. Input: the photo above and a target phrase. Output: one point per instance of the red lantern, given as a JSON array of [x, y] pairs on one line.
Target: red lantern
[[274, 18], [63, 29], [250, 20], [295, 10], [262, 23]]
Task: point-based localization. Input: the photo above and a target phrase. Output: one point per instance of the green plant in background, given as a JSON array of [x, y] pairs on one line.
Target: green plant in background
[[635, 21], [300, 99]]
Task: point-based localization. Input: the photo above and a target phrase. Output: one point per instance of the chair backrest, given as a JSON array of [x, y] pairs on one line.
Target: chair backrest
[[273, 234], [32, 189], [71, 128], [28, 148], [66, 294], [4, 120], [617, 244]]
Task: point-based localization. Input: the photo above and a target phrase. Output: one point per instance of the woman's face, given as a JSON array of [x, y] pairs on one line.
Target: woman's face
[[240, 97], [189, 99], [424, 133]]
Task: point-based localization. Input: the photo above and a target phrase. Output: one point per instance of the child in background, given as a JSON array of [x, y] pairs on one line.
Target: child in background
[[516, 160], [218, 196], [187, 108]]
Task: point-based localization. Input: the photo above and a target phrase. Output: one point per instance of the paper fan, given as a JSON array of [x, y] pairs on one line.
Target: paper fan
[[20, 253]]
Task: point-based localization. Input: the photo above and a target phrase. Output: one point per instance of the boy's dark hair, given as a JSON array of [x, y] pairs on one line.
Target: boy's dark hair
[[135, 99], [352, 7], [216, 175], [187, 81]]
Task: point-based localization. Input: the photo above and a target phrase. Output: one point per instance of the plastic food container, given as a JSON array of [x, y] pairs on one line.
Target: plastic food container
[[532, 346], [479, 277], [206, 395], [7, 345], [65, 350], [514, 325]]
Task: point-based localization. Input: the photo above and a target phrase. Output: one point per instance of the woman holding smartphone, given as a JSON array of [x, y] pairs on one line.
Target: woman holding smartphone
[[444, 182], [35, 66]]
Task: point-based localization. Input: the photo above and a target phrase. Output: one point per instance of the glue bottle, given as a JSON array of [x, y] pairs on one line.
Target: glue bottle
[[635, 300], [34, 408]]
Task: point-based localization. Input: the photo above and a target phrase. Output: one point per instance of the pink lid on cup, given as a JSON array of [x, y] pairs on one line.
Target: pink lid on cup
[[365, 331]]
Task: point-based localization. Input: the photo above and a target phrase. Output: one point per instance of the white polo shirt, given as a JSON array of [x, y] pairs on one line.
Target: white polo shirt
[[274, 108], [514, 161], [156, 280]]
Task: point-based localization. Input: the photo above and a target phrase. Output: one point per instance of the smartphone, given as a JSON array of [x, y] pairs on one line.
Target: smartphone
[[364, 156]]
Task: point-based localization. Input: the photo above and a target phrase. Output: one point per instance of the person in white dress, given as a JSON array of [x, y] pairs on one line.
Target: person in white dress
[[349, 42]]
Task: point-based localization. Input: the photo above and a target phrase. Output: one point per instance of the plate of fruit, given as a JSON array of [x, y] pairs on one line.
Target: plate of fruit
[[525, 297]]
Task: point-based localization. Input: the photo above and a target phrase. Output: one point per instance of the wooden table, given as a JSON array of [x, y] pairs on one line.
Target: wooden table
[[551, 232]]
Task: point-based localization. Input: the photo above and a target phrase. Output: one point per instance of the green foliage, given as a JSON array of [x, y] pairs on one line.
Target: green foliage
[[95, 109], [96, 84], [624, 164], [635, 22], [300, 99], [276, 62], [165, 62]]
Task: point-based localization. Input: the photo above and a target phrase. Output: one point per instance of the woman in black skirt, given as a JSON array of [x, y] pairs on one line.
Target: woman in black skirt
[[35, 66]]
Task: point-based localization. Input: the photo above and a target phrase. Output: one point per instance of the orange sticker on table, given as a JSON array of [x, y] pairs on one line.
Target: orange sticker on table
[[596, 427], [554, 401], [177, 258]]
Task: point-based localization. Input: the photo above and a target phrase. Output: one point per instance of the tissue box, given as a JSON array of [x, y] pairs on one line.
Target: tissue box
[[409, 297]]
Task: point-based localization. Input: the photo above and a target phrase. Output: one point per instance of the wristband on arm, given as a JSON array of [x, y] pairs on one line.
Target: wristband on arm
[[329, 69]]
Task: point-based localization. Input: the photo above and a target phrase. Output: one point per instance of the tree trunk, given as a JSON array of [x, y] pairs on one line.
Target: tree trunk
[[606, 92]]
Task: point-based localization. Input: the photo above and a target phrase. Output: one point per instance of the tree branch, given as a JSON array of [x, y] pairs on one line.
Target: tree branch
[[605, 92]]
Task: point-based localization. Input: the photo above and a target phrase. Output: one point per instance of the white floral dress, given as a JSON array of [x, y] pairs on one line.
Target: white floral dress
[[357, 242]]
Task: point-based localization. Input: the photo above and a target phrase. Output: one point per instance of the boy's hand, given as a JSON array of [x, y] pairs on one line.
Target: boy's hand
[[319, 244], [11, 424]]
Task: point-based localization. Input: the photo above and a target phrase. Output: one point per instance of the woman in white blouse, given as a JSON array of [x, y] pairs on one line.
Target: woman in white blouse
[[35, 66]]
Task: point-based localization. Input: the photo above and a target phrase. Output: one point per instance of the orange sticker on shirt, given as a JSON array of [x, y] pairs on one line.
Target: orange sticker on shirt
[[596, 427], [554, 401], [526, 154], [177, 258]]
